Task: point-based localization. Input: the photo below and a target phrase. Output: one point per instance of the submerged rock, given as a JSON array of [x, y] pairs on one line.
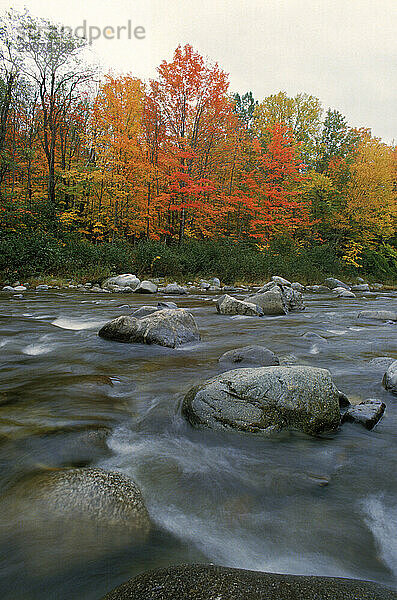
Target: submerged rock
[[166, 327], [226, 305], [390, 378], [74, 513], [381, 362], [211, 582], [253, 356], [264, 399], [378, 315], [367, 413]]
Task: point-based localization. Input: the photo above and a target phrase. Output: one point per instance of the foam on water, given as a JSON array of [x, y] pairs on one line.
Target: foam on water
[[381, 517], [76, 324], [37, 349]]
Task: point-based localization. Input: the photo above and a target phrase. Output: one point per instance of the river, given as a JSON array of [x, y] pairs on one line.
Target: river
[[289, 503]]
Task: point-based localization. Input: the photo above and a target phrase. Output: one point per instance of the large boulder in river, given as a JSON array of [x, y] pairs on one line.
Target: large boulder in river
[[212, 582], [74, 513], [266, 399], [293, 299], [278, 300], [127, 280], [390, 378], [227, 305], [272, 302], [167, 327], [378, 315], [249, 356]]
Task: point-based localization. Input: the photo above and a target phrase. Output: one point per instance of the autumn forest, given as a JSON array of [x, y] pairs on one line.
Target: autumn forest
[[101, 162]]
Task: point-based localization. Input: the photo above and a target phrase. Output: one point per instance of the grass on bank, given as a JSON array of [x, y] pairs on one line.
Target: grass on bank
[[45, 258]]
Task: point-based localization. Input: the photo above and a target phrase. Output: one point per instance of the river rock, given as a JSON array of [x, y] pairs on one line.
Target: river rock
[[226, 305], [146, 287], [252, 356], [378, 315], [204, 285], [174, 288], [298, 286], [390, 378], [20, 288], [166, 327], [317, 289], [77, 513], [215, 281], [265, 399], [122, 281], [293, 299], [42, 287], [361, 287], [367, 413], [281, 281], [332, 283], [271, 302], [144, 311], [163, 304], [343, 293], [8, 288], [212, 582], [381, 362]]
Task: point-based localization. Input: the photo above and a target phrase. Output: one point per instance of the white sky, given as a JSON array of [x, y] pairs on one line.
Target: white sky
[[342, 51]]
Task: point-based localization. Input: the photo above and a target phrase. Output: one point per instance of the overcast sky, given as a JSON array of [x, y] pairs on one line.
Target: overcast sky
[[342, 51]]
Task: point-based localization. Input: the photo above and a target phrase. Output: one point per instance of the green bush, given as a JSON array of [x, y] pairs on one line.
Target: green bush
[[38, 254]]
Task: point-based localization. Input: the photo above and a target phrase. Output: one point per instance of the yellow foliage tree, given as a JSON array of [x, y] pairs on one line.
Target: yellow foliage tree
[[370, 212]]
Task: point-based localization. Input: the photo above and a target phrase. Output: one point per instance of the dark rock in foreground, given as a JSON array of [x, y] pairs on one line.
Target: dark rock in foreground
[[210, 582], [77, 514], [252, 356], [265, 399], [166, 327], [366, 413]]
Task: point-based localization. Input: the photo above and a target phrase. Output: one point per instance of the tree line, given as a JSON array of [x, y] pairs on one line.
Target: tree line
[[179, 156]]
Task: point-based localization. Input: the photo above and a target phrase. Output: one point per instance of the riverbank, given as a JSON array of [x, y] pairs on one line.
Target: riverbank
[[42, 257]]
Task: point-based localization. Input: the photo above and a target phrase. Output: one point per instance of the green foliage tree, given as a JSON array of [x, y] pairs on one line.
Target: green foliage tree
[[302, 114]]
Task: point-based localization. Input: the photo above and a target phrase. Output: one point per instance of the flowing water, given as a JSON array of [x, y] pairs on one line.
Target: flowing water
[[289, 503]]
